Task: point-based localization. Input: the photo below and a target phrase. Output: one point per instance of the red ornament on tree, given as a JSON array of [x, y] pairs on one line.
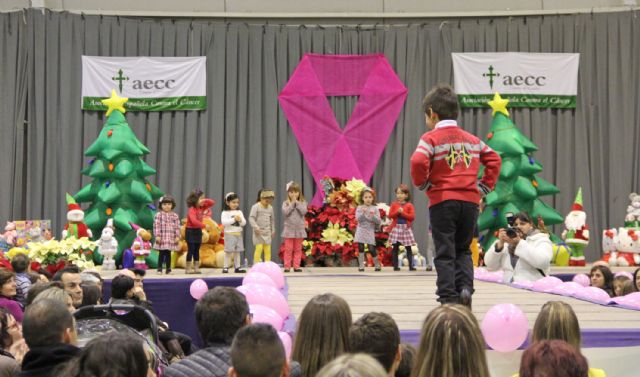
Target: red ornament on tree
[[110, 133], [490, 135]]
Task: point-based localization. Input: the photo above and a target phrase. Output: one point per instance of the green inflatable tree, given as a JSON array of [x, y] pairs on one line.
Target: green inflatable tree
[[120, 189], [518, 188]]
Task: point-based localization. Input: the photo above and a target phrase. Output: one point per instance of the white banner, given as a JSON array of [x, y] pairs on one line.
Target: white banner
[[526, 79], [150, 83]]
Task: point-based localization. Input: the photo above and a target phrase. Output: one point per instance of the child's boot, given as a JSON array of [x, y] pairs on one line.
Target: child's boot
[[196, 269], [187, 267]]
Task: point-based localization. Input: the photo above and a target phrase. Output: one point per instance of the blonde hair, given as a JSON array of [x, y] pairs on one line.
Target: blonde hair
[[557, 320], [353, 365], [451, 345], [295, 187], [53, 293], [323, 332]]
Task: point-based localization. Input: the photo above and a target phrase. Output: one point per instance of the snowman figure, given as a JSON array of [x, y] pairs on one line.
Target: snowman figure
[[108, 246]]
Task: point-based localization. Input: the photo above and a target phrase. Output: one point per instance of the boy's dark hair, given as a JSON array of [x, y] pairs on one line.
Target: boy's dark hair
[[20, 263], [376, 334], [220, 313], [138, 271], [44, 323], [120, 285], [70, 269], [408, 360], [443, 101], [229, 197], [91, 294], [194, 196], [268, 362]]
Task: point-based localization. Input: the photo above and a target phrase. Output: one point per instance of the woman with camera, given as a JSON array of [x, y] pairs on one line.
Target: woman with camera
[[522, 251]]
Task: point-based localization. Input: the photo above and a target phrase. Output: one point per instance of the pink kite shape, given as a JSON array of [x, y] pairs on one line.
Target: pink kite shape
[[330, 151]]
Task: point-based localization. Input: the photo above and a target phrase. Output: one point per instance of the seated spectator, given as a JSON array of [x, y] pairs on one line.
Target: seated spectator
[[377, 334], [139, 296], [91, 294], [94, 277], [636, 280], [525, 257], [9, 366], [49, 330], [122, 289], [622, 286], [128, 359], [72, 283], [39, 287], [8, 292], [448, 328], [553, 358], [20, 265], [257, 351], [323, 332], [353, 365], [57, 294], [408, 360], [220, 313], [602, 277]]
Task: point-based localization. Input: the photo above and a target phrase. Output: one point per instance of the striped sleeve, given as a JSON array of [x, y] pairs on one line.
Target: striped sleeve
[[420, 163]]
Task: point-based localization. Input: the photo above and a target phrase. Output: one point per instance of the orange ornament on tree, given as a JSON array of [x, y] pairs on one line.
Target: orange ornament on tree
[[148, 187], [534, 183], [109, 211], [111, 166]]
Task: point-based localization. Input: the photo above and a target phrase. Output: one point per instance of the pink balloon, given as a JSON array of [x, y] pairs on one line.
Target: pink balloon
[[286, 342], [495, 276], [198, 288], [624, 273], [582, 279], [505, 327], [522, 284], [568, 288], [272, 270], [263, 314], [479, 272], [630, 299], [258, 278], [593, 294], [268, 296], [546, 284]]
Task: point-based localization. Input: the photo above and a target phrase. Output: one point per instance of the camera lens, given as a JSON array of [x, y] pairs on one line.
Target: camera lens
[[512, 233]]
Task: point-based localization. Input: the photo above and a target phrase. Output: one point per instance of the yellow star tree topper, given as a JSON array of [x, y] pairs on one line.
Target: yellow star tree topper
[[115, 102], [499, 105]]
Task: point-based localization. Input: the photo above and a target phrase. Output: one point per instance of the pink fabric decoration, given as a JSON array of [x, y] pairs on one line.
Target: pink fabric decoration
[[329, 150]]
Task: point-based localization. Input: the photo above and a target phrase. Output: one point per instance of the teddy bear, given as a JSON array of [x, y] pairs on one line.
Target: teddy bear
[[35, 234], [628, 247], [418, 259], [633, 211], [108, 246], [211, 249], [141, 246]]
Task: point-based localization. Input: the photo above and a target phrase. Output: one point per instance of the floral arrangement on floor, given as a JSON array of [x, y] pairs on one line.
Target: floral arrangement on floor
[[54, 255], [331, 227]]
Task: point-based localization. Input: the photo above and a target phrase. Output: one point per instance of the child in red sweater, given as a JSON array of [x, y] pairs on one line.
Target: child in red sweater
[[445, 165], [400, 233], [198, 206]]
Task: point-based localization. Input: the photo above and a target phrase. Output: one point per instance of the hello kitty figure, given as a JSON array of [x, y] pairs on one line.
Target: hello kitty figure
[[609, 244], [628, 247], [108, 246]]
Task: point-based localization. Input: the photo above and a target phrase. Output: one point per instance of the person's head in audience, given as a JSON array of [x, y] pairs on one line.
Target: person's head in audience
[[20, 263], [618, 284], [35, 277], [138, 276], [56, 294], [323, 332], [10, 329], [257, 351], [557, 320], [353, 365], [377, 334], [627, 287], [122, 287], [601, 277], [451, 344], [36, 288], [70, 279], [94, 277], [636, 280], [91, 294], [112, 354], [7, 283], [408, 360], [553, 358], [47, 323], [220, 313]]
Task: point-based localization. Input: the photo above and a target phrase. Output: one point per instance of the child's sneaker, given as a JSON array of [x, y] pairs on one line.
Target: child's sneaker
[[225, 270], [239, 271]]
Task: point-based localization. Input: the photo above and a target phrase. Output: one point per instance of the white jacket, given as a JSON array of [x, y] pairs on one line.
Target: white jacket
[[535, 252], [227, 218]]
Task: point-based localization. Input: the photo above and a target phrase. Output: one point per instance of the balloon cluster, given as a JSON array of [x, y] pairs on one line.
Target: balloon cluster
[[483, 274]]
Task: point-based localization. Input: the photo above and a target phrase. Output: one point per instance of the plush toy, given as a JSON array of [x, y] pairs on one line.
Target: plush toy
[[34, 234], [576, 234], [561, 254], [211, 249], [633, 211], [108, 246], [141, 246], [75, 226], [8, 238], [628, 247], [418, 259]]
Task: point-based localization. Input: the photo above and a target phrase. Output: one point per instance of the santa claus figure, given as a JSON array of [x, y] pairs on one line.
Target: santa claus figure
[[576, 234], [75, 226], [141, 246]]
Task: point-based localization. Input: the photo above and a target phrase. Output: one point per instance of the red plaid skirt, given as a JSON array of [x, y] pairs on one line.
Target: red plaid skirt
[[403, 234]]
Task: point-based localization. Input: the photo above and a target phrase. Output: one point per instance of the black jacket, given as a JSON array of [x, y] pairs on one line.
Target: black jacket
[[41, 361]]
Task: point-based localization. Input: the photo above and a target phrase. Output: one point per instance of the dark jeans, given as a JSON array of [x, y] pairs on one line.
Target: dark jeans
[[164, 257], [394, 255], [193, 236], [452, 226]]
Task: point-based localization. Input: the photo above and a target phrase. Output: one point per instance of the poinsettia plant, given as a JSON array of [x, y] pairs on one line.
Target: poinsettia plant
[[54, 254]]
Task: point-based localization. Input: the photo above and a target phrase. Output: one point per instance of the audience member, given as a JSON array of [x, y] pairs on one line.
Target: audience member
[[57, 294], [636, 280], [602, 277], [49, 330], [100, 358], [408, 360], [69, 276], [8, 293], [377, 334], [92, 277], [451, 345], [91, 294], [257, 351], [220, 313], [139, 296], [323, 332], [9, 366], [122, 289], [20, 265], [37, 288], [553, 358], [619, 283], [353, 365]]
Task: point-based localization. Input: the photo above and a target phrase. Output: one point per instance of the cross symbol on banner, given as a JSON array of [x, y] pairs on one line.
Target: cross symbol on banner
[[329, 150], [490, 75], [120, 79]]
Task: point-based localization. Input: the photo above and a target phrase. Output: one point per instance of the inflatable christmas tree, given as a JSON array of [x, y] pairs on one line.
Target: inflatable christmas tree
[[518, 188], [120, 189]]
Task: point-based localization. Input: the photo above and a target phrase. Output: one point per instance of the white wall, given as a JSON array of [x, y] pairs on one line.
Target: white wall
[[319, 8]]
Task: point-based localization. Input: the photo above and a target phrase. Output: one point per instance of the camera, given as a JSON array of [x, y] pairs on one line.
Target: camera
[[512, 231]]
